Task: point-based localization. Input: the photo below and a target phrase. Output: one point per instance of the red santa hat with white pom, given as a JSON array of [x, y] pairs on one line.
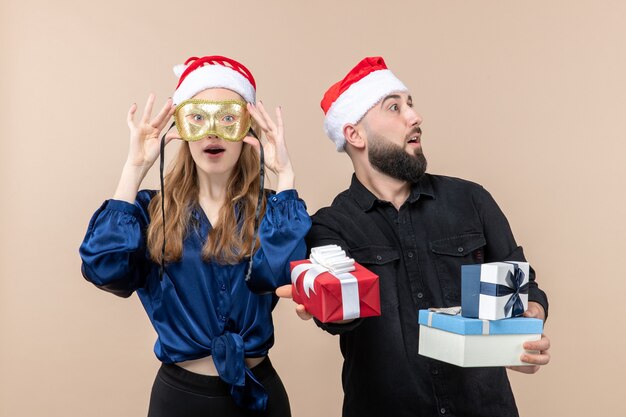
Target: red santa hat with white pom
[[198, 74], [348, 100]]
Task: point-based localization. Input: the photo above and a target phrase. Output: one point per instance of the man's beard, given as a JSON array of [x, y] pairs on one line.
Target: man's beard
[[392, 160]]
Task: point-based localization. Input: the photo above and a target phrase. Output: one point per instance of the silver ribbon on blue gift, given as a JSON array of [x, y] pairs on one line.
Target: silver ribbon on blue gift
[[454, 311]]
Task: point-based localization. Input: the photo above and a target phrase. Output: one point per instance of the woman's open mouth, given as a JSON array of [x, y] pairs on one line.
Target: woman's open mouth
[[214, 150]]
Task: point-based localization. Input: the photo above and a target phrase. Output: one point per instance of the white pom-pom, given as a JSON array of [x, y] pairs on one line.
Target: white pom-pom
[[179, 69]]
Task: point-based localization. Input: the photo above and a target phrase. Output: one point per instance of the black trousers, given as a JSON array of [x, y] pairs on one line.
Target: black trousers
[[179, 393]]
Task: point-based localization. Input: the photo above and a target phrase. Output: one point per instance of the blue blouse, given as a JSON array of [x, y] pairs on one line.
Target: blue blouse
[[200, 308]]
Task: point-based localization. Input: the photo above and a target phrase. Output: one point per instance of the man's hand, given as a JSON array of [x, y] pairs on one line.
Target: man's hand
[[285, 292], [535, 310]]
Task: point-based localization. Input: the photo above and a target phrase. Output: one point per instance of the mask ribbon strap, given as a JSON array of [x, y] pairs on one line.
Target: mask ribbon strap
[[161, 165], [257, 214]]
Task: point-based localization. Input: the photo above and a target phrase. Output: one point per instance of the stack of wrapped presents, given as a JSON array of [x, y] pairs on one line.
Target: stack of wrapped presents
[[487, 329]]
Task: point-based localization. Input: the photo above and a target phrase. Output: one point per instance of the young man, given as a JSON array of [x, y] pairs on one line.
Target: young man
[[414, 230]]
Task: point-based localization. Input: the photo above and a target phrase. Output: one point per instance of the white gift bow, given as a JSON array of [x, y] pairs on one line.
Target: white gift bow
[[331, 258]]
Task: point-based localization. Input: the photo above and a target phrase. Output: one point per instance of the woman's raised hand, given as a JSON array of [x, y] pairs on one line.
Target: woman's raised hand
[[145, 138], [144, 147], [274, 146]]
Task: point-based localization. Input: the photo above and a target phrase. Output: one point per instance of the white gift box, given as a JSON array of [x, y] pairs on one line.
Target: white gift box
[[473, 342], [494, 290]]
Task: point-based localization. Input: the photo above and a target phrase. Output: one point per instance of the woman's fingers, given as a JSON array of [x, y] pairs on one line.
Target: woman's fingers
[[263, 119], [256, 115], [279, 120], [252, 142], [268, 120], [147, 111], [146, 128], [131, 115], [163, 117]]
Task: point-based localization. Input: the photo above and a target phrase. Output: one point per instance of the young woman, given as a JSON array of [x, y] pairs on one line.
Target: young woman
[[188, 255]]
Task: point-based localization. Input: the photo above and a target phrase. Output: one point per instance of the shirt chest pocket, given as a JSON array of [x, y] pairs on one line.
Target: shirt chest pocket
[[383, 261], [452, 252], [374, 255]]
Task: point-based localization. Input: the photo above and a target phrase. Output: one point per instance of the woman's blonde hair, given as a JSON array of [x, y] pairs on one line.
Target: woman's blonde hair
[[230, 240]]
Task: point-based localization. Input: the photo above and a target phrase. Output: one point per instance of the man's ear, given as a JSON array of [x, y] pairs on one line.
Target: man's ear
[[354, 136]]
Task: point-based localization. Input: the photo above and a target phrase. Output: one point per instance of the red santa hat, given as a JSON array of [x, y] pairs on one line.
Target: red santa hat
[[348, 100], [198, 74]]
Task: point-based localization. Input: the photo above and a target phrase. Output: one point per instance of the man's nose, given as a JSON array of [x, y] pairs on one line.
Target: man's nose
[[413, 117]]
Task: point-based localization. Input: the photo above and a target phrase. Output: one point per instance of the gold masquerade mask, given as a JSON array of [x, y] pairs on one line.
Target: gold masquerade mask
[[197, 119]]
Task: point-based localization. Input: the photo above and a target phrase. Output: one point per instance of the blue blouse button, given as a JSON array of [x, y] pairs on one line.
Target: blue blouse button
[[223, 287], [274, 199], [224, 318]]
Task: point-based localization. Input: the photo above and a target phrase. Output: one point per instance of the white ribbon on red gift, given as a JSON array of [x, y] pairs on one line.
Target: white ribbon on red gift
[[332, 259]]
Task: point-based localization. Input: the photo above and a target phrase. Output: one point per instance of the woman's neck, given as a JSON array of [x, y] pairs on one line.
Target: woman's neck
[[212, 194]]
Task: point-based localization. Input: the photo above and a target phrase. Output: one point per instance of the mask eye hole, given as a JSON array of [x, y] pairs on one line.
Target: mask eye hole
[[228, 120], [196, 119]]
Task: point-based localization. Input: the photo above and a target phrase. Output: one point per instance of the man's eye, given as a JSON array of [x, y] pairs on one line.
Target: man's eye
[[393, 107], [197, 117]]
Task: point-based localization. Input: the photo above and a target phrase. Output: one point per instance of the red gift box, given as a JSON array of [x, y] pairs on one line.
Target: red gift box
[[331, 297]]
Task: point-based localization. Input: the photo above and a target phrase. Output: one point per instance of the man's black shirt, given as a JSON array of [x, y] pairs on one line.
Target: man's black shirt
[[417, 251]]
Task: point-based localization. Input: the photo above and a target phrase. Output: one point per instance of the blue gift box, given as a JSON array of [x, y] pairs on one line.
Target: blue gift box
[[495, 290], [468, 326], [471, 342]]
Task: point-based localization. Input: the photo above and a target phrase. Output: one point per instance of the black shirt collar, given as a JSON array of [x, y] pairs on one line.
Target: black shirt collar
[[366, 199]]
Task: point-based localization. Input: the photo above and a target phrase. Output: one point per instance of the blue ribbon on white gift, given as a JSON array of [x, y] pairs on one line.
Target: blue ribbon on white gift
[[498, 290]]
